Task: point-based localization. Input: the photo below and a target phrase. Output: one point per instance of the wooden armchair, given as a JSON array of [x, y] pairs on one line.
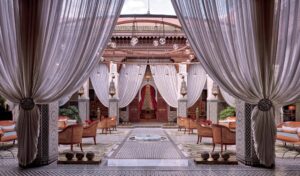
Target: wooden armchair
[[112, 123], [71, 135], [222, 135], [180, 122], [7, 134], [90, 131], [103, 124], [190, 125], [204, 131]]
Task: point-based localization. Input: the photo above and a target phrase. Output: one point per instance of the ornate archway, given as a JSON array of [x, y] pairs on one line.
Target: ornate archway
[[147, 103]]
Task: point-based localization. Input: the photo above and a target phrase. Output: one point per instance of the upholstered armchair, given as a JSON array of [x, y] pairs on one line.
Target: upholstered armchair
[[103, 124], [204, 131], [222, 135], [71, 135], [90, 130], [112, 123]]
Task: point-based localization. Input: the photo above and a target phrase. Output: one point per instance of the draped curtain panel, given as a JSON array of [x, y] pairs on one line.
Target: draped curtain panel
[[196, 80], [165, 79], [251, 49], [230, 100], [99, 80], [143, 93], [130, 81], [64, 100], [47, 50]]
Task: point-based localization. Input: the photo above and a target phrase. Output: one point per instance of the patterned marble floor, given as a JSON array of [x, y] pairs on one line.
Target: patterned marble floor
[[288, 167]]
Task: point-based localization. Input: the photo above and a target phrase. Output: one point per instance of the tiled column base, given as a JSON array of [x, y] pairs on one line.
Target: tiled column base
[[84, 109], [245, 152], [48, 139], [182, 108], [213, 109], [113, 109]]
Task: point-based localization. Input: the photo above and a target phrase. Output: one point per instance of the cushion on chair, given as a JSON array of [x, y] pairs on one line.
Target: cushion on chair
[[12, 133], [8, 128], [288, 137], [289, 129]]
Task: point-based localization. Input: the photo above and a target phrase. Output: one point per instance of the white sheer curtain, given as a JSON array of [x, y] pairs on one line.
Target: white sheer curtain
[[230, 100], [47, 50], [130, 80], [251, 49], [165, 79], [196, 80], [99, 80], [64, 100]]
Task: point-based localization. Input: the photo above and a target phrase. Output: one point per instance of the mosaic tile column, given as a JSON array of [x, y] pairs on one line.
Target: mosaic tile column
[[182, 100], [182, 108], [48, 139], [84, 103], [214, 103], [113, 109], [245, 152], [298, 112]]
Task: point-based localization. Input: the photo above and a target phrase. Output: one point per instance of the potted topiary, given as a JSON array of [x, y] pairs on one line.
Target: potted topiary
[[227, 112], [72, 112]]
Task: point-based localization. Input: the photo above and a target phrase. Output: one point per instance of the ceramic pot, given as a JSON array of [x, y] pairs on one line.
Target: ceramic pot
[[69, 155], [215, 155], [79, 155], [225, 156], [204, 155], [90, 155]]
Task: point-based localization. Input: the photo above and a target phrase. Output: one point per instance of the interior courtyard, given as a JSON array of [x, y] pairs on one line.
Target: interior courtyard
[[150, 87]]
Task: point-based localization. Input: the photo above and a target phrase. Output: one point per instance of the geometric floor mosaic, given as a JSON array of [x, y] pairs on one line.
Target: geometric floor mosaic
[[183, 144]]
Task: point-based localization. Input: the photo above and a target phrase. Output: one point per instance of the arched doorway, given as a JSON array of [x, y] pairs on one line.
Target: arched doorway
[[148, 104]]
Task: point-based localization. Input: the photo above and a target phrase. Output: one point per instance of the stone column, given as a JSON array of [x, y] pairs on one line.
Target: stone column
[[113, 109], [84, 103], [297, 112], [48, 138], [245, 152], [279, 115], [214, 103], [182, 100]]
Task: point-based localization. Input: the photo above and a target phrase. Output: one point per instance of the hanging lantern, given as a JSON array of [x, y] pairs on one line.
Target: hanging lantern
[[134, 41], [155, 43], [112, 88], [175, 46], [215, 89], [162, 40], [81, 91], [113, 45], [183, 89]]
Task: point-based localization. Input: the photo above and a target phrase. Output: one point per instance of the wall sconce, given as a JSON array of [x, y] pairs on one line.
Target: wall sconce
[[81, 91], [112, 88], [183, 89], [215, 89]]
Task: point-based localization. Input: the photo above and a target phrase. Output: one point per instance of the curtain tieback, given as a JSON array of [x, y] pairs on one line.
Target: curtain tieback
[[264, 104], [27, 103]]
